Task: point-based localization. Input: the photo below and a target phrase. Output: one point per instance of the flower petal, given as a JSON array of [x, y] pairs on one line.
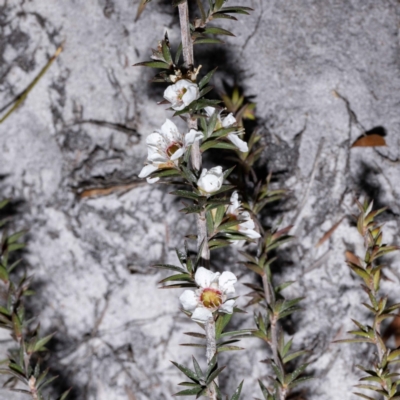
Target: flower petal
[[226, 281], [233, 208], [147, 170], [192, 136], [188, 300], [170, 94], [178, 106], [250, 233], [209, 111], [211, 181], [178, 153], [239, 143], [227, 307], [201, 315], [170, 131], [228, 121], [204, 277], [192, 94], [152, 180], [155, 140]]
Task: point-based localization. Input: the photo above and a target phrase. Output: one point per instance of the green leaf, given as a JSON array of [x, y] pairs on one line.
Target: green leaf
[[65, 394], [291, 377], [292, 356], [169, 267], [211, 365], [15, 247], [196, 334], [3, 203], [220, 133], [299, 381], [209, 41], [179, 285], [190, 176], [197, 368], [283, 286], [212, 122], [229, 348], [229, 224], [203, 346], [4, 274], [264, 390], [223, 189], [188, 372], [44, 384], [191, 210], [218, 243], [214, 374], [186, 194], [241, 333], [219, 215], [236, 10], [222, 322], [166, 52], [204, 81], [13, 238], [178, 53], [224, 16], [215, 144], [363, 396], [203, 103], [218, 4], [189, 392], [217, 31], [357, 340], [166, 173], [42, 342], [179, 277], [206, 90], [236, 395], [153, 64]]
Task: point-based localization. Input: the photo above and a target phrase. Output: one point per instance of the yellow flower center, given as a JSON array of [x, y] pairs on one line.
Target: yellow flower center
[[181, 93], [171, 149], [211, 298]]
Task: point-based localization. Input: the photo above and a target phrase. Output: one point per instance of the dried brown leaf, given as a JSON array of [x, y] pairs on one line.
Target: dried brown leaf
[[350, 257], [373, 140], [329, 233], [106, 191]]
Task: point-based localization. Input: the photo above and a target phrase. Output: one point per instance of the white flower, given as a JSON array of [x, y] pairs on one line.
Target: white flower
[[247, 227], [215, 293], [228, 122], [164, 148], [181, 94], [210, 181]]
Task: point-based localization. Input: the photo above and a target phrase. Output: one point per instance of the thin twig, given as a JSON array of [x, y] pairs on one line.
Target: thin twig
[[20, 98], [269, 299], [202, 239], [187, 50]]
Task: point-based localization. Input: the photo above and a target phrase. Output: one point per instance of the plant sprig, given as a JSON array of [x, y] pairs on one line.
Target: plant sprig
[[381, 377], [23, 362]]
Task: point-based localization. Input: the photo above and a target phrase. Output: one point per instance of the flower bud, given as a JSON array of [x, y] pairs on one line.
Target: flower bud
[[210, 181]]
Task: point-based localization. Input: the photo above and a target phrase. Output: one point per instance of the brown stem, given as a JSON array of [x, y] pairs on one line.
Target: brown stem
[[32, 388], [187, 43], [210, 352], [187, 50], [269, 299], [202, 239]]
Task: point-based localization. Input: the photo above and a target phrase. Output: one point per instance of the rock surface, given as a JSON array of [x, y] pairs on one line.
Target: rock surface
[[321, 73]]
